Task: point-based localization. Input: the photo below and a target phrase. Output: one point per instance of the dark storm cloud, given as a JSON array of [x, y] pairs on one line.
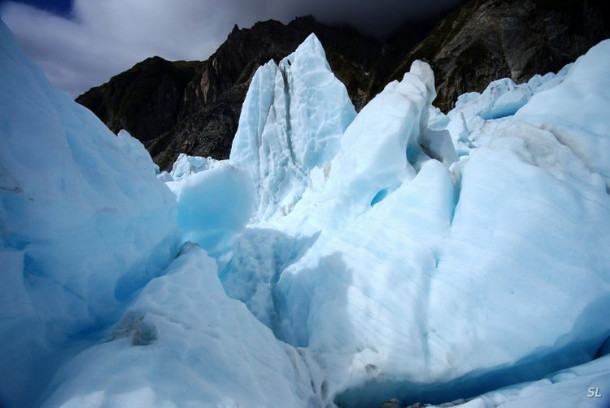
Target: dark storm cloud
[[103, 38], [377, 17]]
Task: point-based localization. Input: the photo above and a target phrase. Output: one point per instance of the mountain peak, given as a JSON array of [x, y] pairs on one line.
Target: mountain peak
[[481, 41], [213, 99]]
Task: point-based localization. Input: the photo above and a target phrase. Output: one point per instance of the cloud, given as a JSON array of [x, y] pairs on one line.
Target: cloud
[[103, 38], [373, 17]]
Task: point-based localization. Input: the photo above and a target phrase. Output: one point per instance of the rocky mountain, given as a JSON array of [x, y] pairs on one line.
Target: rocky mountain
[[194, 107], [490, 39], [146, 99], [203, 108]]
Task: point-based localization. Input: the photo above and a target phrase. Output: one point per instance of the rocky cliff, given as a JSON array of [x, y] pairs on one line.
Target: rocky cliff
[[490, 39], [202, 111], [145, 100], [175, 107]]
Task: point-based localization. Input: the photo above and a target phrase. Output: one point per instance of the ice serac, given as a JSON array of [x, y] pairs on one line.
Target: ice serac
[[186, 165], [214, 206], [382, 148], [292, 121], [417, 280], [357, 256], [84, 224]]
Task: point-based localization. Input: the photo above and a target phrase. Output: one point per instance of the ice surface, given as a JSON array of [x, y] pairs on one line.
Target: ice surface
[[505, 98], [475, 116], [577, 112], [84, 224], [137, 152], [410, 274], [582, 386], [184, 343], [292, 121], [380, 148], [374, 265], [186, 165], [214, 206]]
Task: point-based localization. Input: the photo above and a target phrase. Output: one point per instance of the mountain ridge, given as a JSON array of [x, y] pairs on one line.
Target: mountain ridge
[[207, 120], [196, 109], [490, 39]]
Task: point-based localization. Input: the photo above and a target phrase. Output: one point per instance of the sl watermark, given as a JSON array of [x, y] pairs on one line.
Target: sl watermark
[[594, 392]]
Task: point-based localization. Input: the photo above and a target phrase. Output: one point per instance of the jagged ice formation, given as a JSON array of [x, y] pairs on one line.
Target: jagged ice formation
[[333, 259]]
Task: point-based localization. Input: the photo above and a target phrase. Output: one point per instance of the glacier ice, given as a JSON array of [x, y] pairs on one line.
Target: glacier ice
[[210, 352], [381, 147], [214, 206], [134, 149], [584, 129], [292, 121], [84, 224], [475, 116], [186, 165], [581, 386], [419, 274], [367, 258]]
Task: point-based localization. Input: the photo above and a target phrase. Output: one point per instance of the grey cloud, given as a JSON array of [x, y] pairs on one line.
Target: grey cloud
[[377, 17], [103, 38]]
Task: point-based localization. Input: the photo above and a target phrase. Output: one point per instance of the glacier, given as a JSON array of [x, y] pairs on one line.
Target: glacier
[[335, 259], [84, 224]]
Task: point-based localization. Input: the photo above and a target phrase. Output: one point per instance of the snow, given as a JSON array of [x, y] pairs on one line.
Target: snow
[[335, 258]]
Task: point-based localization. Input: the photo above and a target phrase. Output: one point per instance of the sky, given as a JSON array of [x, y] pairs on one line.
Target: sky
[[82, 43]]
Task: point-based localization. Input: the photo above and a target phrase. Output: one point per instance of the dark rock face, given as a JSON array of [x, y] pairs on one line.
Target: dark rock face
[[145, 100], [490, 39], [172, 109], [213, 99], [194, 107]]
